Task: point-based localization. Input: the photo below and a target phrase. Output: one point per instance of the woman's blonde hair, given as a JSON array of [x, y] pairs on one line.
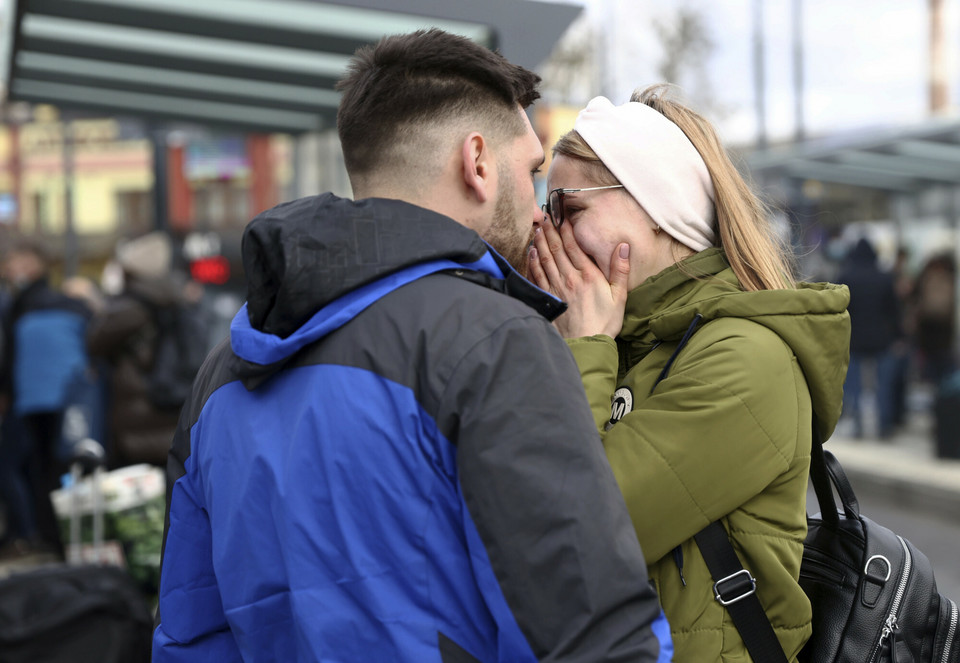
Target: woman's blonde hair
[[758, 256]]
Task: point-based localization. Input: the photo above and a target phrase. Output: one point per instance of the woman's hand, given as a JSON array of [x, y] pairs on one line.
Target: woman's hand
[[559, 266]]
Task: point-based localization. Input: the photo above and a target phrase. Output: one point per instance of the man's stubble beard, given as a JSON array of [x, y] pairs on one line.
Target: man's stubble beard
[[506, 236]]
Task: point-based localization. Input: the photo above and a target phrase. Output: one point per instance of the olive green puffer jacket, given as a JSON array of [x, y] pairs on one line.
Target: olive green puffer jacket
[[726, 435]]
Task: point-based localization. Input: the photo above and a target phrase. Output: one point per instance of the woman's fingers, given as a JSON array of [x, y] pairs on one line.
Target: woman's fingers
[[535, 270], [620, 273], [547, 261], [572, 251], [557, 247]]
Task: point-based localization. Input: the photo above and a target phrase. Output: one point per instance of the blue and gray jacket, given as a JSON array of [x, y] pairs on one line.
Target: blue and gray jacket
[[392, 459], [43, 353]]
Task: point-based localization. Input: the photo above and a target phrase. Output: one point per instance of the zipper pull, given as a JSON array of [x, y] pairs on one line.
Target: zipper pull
[[890, 630], [678, 560]]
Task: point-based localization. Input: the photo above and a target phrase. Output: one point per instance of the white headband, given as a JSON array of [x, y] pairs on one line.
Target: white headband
[[657, 164]]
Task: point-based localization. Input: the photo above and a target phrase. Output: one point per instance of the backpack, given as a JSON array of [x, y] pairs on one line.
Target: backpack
[[181, 347], [873, 593]]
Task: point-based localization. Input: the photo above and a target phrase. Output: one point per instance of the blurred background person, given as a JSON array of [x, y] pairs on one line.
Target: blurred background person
[[876, 339], [903, 351], [9, 531], [42, 356], [934, 304], [85, 413], [153, 337]]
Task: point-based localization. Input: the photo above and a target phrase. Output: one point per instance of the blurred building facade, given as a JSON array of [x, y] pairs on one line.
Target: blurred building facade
[[194, 117], [215, 182]]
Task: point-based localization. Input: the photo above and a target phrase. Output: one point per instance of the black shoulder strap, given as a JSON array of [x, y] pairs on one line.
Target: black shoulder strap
[[733, 586], [736, 589]]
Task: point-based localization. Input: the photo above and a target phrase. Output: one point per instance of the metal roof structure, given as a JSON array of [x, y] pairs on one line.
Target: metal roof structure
[[251, 65], [900, 160]]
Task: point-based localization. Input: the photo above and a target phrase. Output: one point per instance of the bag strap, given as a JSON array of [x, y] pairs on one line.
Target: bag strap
[[838, 477], [827, 474], [734, 587]]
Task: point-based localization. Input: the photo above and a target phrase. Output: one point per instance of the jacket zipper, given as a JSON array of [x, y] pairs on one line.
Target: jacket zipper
[[951, 632], [890, 626]]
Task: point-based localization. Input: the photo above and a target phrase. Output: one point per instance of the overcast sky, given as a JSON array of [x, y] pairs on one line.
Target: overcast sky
[[866, 61]]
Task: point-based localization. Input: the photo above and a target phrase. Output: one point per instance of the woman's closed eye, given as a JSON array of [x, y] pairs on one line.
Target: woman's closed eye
[[570, 212]]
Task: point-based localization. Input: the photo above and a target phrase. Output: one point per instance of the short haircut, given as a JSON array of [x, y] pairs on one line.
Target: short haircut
[[402, 90], [29, 244]]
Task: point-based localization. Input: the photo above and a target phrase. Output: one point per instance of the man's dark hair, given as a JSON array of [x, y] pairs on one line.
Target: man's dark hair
[[405, 83]]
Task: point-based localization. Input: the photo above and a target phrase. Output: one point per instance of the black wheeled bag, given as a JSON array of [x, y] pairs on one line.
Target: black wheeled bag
[[78, 612], [81, 614], [873, 593]]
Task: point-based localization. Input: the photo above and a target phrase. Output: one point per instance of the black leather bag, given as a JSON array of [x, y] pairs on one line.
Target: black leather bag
[[873, 593]]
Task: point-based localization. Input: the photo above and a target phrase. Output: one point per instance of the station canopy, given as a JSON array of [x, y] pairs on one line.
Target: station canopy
[[904, 159], [250, 65]]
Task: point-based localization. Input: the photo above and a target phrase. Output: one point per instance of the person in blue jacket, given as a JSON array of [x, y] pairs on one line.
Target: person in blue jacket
[[43, 357], [391, 458]]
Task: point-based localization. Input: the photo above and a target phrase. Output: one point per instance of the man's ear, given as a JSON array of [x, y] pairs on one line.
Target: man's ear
[[478, 166]]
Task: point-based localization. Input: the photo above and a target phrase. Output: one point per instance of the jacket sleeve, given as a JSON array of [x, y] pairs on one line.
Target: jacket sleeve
[[719, 429], [545, 504], [192, 625], [598, 360]]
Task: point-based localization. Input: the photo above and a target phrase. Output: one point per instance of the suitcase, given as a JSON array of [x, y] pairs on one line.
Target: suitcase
[[78, 611], [946, 410]]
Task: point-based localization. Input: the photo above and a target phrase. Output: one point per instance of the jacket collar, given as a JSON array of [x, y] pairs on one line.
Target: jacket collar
[[673, 287]]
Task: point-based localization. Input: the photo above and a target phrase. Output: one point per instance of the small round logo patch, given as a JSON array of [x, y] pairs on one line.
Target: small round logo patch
[[622, 404]]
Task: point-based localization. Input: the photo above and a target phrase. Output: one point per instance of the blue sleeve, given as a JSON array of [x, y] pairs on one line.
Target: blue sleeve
[[193, 626]]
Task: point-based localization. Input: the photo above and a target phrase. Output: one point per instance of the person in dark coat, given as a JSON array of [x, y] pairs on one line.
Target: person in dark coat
[[934, 304], [875, 332], [124, 333]]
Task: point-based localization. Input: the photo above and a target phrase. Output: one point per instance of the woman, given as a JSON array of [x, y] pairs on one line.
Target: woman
[[656, 237]]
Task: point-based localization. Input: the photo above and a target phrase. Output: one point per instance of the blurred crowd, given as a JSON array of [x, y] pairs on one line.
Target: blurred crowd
[[109, 361], [903, 330]]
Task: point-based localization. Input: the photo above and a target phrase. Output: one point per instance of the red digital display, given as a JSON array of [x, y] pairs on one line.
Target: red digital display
[[212, 269]]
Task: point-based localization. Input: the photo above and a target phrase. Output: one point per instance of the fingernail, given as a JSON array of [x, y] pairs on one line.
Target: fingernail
[[538, 230], [624, 250], [533, 253]]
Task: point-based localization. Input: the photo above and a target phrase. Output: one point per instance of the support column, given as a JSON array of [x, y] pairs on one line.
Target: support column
[[71, 248], [263, 190], [158, 141], [179, 193]]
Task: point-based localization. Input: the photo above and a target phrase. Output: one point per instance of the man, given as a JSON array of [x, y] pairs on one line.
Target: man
[[43, 357], [392, 459]]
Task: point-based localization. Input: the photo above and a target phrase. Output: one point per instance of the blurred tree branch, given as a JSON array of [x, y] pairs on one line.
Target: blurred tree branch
[[688, 44], [570, 73]]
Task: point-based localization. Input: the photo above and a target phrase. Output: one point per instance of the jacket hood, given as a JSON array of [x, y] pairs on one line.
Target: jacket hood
[[811, 319], [315, 263], [302, 255]]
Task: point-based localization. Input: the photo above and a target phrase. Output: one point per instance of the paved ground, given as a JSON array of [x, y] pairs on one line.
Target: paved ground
[[905, 466]]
